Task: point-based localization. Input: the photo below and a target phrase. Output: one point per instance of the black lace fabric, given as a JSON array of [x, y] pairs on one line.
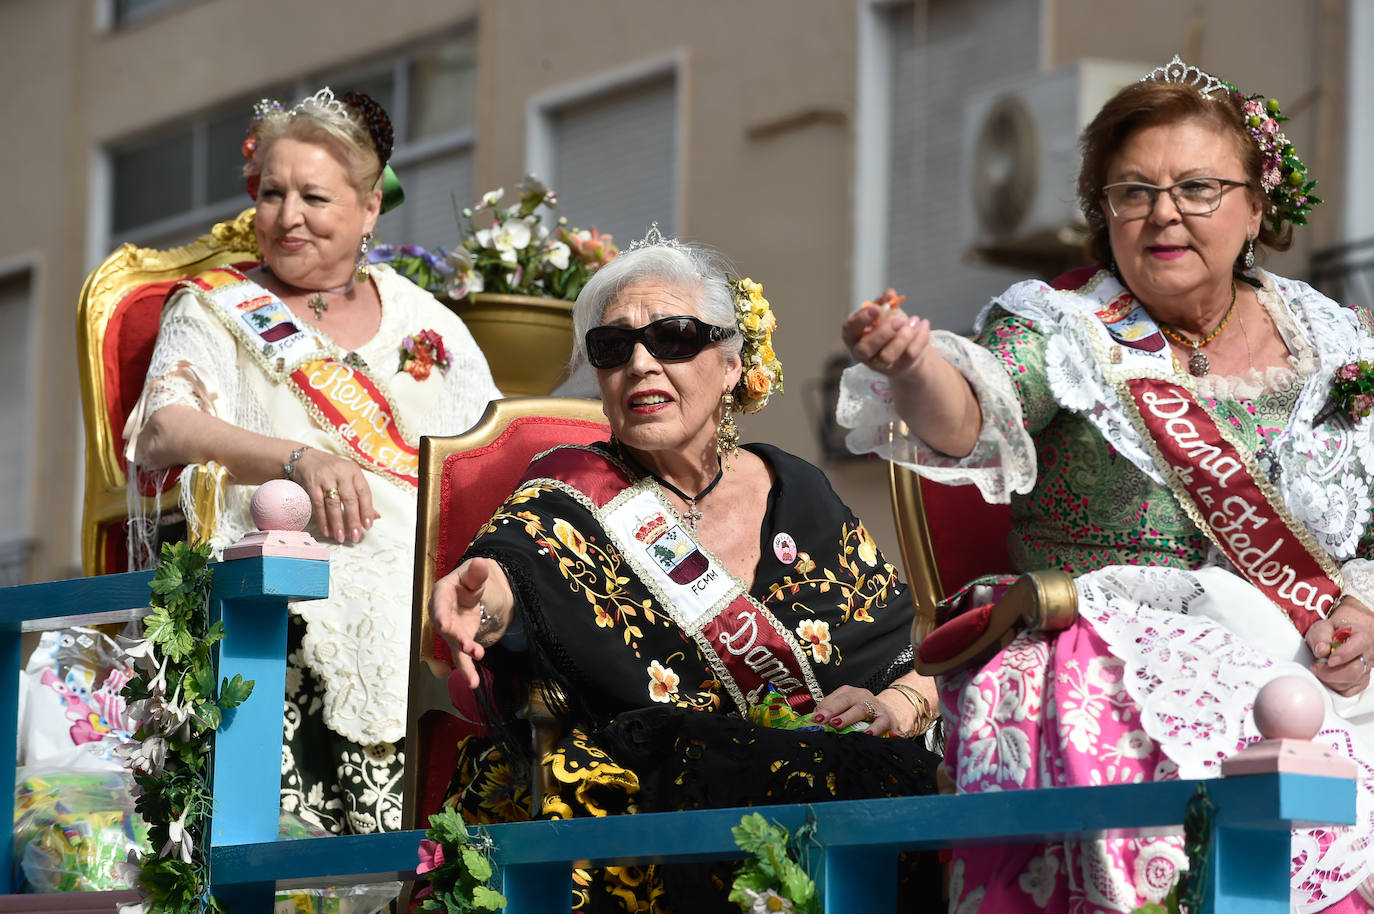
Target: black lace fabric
[[689, 760]]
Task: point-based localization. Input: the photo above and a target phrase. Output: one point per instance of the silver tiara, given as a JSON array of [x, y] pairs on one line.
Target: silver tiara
[[1176, 71], [322, 100], [653, 239]]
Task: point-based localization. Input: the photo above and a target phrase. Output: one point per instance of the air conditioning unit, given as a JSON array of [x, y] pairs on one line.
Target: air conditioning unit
[[1021, 161]]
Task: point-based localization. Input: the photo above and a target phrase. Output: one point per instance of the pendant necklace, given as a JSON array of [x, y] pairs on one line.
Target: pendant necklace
[[693, 512], [317, 302], [319, 305], [1198, 363]]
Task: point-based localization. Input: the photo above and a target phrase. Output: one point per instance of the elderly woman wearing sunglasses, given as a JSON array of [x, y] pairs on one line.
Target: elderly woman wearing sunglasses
[[684, 593]]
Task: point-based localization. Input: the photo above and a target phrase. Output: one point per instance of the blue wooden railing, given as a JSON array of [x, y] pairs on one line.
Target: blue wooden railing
[[859, 840]]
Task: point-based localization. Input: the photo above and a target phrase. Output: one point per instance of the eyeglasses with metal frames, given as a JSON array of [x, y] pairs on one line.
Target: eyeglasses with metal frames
[[1191, 196]]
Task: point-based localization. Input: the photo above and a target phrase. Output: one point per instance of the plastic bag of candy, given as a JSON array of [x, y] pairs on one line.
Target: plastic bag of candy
[[353, 899], [71, 712], [71, 827]]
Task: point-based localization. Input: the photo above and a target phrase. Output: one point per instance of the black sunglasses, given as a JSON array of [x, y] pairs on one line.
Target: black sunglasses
[[669, 338]]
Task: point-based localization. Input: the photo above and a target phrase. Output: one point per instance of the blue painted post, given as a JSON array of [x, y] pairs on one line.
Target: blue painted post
[[537, 888], [857, 880], [1250, 869], [251, 597], [9, 746]]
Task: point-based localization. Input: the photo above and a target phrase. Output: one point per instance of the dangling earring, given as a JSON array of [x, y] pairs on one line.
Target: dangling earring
[[1249, 252], [727, 433], [360, 267]]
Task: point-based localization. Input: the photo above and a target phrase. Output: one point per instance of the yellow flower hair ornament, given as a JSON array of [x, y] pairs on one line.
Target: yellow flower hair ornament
[[762, 371]]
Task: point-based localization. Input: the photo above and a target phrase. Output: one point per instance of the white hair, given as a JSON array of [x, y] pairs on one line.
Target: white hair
[[703, 274]]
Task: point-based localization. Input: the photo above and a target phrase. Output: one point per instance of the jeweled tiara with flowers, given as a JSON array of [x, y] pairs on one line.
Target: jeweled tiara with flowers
[[1282, 173]]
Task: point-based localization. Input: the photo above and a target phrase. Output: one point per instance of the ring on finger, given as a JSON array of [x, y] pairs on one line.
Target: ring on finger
[[331, 493], [870, 712]]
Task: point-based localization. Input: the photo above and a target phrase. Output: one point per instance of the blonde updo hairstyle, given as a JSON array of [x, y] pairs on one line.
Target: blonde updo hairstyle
[[332, 125]]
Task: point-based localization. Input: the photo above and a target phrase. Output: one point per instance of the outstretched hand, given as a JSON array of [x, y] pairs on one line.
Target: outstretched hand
[[456, 607], [882, 336]]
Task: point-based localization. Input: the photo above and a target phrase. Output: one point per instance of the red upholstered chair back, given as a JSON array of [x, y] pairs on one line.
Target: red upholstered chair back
[[463, 480], [947, 536], [117, 323]]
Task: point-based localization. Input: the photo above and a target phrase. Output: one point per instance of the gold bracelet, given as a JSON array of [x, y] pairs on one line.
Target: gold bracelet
[[925, 717]]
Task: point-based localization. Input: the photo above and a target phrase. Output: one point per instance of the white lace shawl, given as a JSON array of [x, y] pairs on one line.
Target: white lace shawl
[[1323, 473], [357, 641]]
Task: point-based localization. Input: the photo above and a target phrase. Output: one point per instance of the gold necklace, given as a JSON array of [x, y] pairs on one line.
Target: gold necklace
[[1198, 363]]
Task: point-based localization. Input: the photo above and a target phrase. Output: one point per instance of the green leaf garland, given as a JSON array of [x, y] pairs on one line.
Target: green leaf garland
[[173, 698], [770, 878], [456, 864]]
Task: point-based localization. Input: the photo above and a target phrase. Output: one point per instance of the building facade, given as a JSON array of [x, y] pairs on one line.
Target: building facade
[[830, 148]]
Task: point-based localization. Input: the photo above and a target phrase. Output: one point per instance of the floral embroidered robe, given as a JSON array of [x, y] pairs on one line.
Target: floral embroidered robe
[[653, 725]]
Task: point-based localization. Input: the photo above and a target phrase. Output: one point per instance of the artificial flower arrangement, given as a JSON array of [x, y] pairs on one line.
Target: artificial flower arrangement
[[1283, 175], [762, 374], [456, 867], [173, 698], [509, 250], [770, 879], [423, 352], [1352, 392]]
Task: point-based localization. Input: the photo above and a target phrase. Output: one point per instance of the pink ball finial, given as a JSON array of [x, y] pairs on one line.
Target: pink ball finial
[[1289, 707], [280, 504]]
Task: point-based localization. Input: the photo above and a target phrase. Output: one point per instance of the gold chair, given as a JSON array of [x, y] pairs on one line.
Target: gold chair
[[947, 536], [463, 480], [116, 327]]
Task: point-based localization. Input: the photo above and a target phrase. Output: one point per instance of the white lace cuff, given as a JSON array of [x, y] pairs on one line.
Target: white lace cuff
[[183, 385], [1002, 460], [1358, 575]]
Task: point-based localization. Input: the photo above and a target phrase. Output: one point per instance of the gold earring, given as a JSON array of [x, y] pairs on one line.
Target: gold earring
[[727, 433], [360, 268]]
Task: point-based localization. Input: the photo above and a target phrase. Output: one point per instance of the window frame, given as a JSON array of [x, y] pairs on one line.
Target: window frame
[[874, 68], [205, 213], [542, 108]]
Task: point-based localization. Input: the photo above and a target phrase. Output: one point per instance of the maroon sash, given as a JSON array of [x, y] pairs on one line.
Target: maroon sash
[[746, 645], [1223, 490]]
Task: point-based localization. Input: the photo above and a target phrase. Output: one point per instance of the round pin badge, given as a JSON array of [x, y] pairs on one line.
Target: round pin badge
[[785, 548]]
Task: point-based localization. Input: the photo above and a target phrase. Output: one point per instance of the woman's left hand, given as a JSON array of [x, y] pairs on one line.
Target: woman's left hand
[[1342, 644], [848, 705]]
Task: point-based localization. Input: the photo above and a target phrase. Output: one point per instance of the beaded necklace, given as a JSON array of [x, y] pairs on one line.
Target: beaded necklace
[[1198, 363]]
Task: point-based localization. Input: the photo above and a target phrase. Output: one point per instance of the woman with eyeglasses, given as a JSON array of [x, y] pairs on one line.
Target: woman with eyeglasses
[[682, 592], [1184, 432]]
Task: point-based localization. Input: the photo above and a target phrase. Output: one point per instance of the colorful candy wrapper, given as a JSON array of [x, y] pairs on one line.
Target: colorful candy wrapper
[[775, 713]]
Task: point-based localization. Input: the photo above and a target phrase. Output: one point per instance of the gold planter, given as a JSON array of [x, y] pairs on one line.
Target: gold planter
[[527, 340]]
